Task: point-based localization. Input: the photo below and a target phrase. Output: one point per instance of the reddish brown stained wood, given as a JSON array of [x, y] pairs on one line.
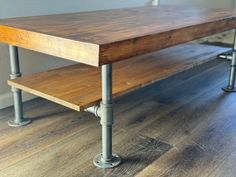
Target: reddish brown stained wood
[[101, 37], [79, 86]]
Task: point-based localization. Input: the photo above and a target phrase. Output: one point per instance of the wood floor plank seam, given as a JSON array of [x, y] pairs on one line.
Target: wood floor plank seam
[[182, 141], [222, 162], [206, 92], [46, 147]]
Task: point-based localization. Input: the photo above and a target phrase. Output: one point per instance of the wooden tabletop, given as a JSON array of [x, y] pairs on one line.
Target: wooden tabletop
[[102, 37]]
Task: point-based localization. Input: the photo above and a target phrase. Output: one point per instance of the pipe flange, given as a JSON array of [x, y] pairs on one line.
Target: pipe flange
[[24, 122], [229, 89], [100, 163]]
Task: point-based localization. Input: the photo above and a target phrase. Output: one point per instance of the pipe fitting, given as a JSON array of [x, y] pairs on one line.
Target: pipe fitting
[[15, 75], [95, 110], [227, 55], [103, 111], [106, 114]]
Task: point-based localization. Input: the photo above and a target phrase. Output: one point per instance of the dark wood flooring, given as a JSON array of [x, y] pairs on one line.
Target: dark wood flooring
[[184, 126]]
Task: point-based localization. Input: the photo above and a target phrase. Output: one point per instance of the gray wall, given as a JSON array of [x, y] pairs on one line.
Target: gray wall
[[34, 62], [15, 8]]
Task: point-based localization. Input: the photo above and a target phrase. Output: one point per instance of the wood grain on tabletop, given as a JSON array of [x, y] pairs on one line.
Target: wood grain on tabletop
[[107, 36]]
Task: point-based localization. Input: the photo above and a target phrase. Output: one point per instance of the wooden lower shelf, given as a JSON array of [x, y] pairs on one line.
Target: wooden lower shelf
[[79, 86]]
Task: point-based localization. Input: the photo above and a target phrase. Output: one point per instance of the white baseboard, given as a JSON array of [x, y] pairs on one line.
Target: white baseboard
[[6, 99]]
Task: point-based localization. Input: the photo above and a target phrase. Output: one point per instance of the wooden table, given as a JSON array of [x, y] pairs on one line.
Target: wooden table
[[102, 38]]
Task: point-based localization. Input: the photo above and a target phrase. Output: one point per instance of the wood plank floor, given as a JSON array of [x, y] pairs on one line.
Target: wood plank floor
[[183, 126]]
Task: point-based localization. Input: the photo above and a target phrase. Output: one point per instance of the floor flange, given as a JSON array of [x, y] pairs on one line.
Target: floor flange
[[24, 122], [98, 161], [228, 89]]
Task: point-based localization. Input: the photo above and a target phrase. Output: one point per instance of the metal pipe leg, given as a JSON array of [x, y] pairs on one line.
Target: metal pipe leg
[[19, 120], [231, 81], [107, 159]]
